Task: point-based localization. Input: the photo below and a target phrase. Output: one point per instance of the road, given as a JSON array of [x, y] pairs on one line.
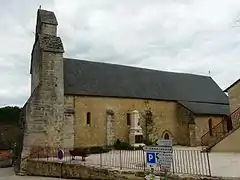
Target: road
[[8, 173]]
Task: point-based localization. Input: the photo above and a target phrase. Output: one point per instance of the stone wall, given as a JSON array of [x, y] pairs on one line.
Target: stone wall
[[185, 117], [168, 117], [45, 119], [69, 121], [229, 144], [234, 97], [77, 171], [35, 68], [201, 125], [94, 134]]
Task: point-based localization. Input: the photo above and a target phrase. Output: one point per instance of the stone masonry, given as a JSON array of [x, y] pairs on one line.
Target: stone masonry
[[110, 128], [166, 118], [54, 119], [45, 108], [234, 96]]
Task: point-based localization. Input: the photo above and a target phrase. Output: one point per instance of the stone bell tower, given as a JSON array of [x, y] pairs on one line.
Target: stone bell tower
[[44, 109]]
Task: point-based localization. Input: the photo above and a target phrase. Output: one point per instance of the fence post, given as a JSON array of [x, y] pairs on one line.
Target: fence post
[[101, 160], [209, 167], [144, 163], [38, 152], [173, 162], [120, 159]]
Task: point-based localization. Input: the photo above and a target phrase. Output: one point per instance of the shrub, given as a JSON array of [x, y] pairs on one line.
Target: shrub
[[98, 149], [122, 145], [148, 142]]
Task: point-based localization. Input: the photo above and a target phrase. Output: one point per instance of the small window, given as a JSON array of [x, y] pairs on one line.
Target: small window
[[88, 118], [128, 119], [210, 127], [138, 139], [166, 136]]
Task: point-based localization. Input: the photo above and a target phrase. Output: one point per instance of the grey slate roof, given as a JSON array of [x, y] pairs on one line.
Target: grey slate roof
[[110, 80], [206, 108]]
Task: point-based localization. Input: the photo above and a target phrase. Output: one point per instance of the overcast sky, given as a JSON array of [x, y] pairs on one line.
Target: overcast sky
[[192, 36]]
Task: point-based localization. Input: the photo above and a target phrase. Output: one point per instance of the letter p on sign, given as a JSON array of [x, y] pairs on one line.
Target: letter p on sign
[[151, 158]]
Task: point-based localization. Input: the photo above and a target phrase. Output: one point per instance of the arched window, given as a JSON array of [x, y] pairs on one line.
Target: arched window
[[88, 118], [210, 126], [128, 119], [166, 136]]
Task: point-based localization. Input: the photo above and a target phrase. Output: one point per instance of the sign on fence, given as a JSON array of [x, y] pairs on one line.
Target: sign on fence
[[60, 154], [151, 158], [161, 154], [164, 157]]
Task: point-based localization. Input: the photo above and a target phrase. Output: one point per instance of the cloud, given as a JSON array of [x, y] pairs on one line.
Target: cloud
[[189, 36]]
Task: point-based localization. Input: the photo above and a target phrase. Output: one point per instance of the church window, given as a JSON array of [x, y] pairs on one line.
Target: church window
[[210, 126], [88, 118], [166, 136], [128, 119]]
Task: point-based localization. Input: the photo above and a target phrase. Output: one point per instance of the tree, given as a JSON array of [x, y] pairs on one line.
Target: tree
[[9, 115]]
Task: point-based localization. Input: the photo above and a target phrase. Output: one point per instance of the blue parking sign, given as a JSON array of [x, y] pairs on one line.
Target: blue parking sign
[[151, 158]]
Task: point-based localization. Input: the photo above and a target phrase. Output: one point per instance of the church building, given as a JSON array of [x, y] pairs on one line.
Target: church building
[[81, 103]]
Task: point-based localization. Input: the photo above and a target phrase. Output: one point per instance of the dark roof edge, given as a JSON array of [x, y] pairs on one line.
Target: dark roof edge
[[209, 114], [231, 85], [185, 107], [125, 97], [115, 64]]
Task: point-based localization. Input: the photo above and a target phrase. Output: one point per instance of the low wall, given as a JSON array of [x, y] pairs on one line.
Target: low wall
[[229, 143], [55, 169], [78, 171]]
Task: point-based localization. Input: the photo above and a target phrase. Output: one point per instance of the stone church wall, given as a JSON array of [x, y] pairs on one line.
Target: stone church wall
[[168, 117], [201, 125], [184, 118], [95, 133], [234, 97]]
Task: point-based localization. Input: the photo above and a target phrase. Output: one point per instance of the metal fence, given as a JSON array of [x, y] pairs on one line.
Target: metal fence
[[192, 162]]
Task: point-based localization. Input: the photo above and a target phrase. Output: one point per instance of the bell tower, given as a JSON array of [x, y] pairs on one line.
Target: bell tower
[[44, 121]]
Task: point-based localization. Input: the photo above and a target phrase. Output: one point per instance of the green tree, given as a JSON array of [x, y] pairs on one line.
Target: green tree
[[9, 114]]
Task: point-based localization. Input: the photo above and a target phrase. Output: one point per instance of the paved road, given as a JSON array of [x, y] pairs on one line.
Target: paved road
[[8, 173]]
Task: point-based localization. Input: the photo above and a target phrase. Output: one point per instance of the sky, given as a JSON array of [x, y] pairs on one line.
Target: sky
[[191, 36]]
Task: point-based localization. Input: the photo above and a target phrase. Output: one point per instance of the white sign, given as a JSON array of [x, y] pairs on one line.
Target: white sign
[[164, 156], [152, 148], [164, 142]]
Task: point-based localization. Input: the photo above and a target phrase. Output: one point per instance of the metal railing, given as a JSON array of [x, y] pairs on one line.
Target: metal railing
[[220, 130], [216, 133], [184, 161]]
